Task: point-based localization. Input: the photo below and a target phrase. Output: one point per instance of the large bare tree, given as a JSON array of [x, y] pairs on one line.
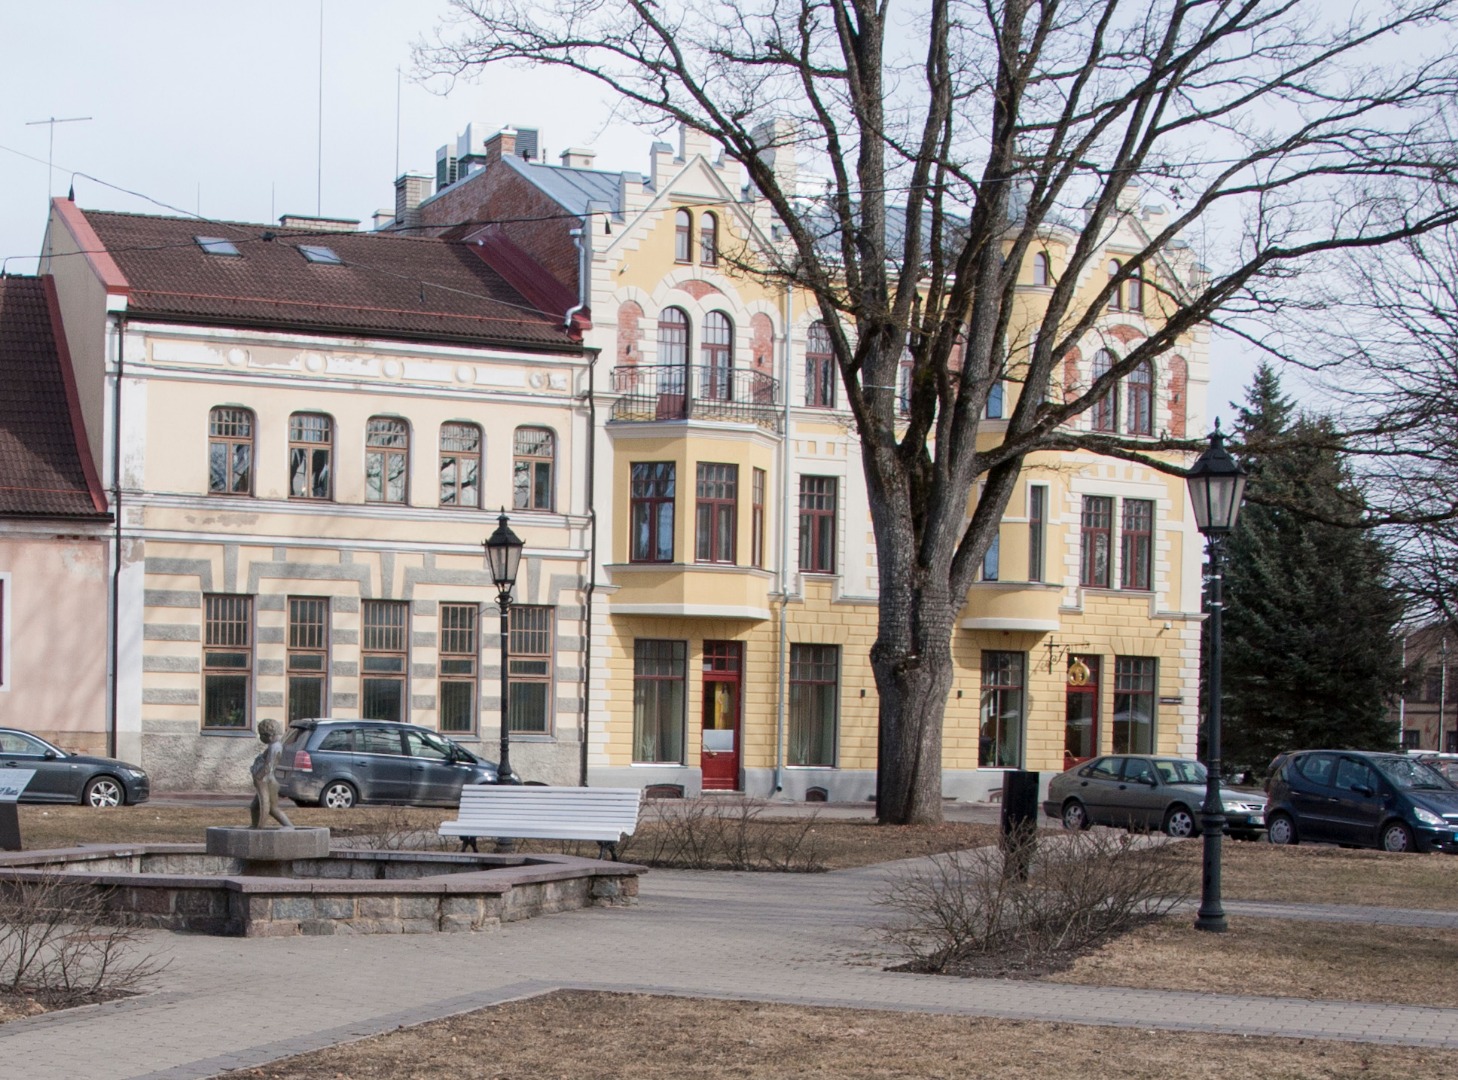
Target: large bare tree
[[955, 136]]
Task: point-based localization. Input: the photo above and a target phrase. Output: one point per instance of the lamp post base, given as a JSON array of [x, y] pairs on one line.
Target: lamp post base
[[1211, 916]]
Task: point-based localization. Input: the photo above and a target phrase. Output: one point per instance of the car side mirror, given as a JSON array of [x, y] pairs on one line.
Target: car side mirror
[[50, 755], [1151, 781]]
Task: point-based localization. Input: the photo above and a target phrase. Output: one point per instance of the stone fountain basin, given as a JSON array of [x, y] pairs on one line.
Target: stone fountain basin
[[351, 891]]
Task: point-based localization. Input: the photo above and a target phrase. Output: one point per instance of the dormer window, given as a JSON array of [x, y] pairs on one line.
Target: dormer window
[[216, 245], [316, 253]]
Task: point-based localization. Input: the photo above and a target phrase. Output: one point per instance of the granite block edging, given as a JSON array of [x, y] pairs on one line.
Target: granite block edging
[[450, 892]]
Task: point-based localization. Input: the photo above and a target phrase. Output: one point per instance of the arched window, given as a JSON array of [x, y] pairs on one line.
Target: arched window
[[1104, 414], [819, 368], [718, 354], [460, 465], [230, 452], [1139, 414], [1040, 269], [683, 236], [673, 337], [1134, 291], [533, 463], [1116, 299], [311, 456], [387, 459], [709, 240]]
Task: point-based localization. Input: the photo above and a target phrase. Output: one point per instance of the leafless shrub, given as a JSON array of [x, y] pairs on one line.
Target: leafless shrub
[[975, 908], [697, 834], [56, 947], [393, 829]]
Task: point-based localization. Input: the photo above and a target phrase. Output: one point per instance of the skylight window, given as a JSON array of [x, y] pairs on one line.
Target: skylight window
[[316, 254], [216, 245]]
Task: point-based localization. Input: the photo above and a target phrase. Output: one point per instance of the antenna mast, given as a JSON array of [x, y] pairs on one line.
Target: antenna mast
[[51, 150]]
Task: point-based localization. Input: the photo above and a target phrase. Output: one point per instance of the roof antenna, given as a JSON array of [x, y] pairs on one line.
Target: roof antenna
[[71, 194], [51, 151]]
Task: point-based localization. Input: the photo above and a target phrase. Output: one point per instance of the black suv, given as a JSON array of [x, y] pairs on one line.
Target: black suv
[[337, 763], [1351, 797]]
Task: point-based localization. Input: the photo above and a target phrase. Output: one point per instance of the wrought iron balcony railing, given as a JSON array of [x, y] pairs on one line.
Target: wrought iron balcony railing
[[696, 392]]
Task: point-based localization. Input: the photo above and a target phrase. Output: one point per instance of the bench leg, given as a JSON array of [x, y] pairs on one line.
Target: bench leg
[[469, 842], [608, 849]]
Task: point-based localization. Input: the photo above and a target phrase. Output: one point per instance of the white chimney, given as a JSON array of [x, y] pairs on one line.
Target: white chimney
[[577, 158]]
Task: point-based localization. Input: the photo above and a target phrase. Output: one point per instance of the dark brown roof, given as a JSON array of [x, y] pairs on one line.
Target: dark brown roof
[[388, 286], [45, 468]]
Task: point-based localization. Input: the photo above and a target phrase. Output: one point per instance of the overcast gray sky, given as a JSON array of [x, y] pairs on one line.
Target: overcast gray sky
[[214, 108]]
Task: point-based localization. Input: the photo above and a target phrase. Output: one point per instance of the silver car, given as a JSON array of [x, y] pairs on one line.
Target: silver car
[[1132, 791]]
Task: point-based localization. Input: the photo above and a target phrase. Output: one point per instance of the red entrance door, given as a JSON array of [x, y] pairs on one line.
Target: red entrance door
[[719, 759], [1081, 726]]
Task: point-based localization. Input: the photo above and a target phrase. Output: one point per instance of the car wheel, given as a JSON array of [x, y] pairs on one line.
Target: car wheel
[[103, 791], [338, 795], [1075, 817], [1179, 822], [1281, 830], [1397, 837]]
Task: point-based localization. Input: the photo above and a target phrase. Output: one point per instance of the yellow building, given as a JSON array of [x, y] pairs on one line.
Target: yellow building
[[734, 583]]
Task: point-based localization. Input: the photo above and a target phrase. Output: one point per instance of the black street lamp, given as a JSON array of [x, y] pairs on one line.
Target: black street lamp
[[1217, 484], [503, 553]]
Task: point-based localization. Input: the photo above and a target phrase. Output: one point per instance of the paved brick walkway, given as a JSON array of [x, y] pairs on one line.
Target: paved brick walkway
[[228, 1003]]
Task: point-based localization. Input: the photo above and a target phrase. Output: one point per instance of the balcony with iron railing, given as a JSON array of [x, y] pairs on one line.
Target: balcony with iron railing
[[655, 392]]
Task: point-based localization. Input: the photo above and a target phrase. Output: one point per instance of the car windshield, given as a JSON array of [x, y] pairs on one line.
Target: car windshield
[[1175, 771], [1411, 775]]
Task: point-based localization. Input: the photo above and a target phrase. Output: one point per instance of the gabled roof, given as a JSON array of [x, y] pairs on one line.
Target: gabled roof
[[384, 285], [45, 464]]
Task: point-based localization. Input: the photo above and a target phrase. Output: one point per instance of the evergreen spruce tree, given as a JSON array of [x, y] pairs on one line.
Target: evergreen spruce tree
[[1312, 656]]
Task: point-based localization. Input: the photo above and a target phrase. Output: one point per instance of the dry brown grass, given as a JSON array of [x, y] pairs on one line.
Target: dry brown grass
[[1281, 958], [838, 844], [1330, 875], [567, 1036]]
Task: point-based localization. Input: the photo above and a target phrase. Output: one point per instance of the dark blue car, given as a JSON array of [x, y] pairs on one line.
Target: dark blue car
[[1360, 799]]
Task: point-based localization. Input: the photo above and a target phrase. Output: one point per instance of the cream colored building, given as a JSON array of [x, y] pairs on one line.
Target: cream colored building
[[305, 437], [734, 583]]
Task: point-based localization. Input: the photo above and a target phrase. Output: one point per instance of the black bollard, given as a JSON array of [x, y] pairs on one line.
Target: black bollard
[[1019, 821]]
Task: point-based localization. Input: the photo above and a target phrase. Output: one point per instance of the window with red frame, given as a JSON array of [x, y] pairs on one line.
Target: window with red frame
[[817, 524], [1136, 541], [716, 515], [650, 511], [1104, 416], [819, 368], [1097, 537], [683, 236]]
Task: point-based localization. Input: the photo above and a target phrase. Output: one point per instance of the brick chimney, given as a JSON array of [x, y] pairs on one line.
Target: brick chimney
[[411, 189], [502, 144]]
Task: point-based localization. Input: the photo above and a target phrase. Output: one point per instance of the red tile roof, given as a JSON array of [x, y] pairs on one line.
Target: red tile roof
[[420, 289], [45, 466]]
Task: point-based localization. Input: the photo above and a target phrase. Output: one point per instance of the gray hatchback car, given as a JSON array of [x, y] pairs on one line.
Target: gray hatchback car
[[337, 763]]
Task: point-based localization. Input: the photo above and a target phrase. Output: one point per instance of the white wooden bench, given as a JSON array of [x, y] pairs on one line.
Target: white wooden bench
[[536, 812]]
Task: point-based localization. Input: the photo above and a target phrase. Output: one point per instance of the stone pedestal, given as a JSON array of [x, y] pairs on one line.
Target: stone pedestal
[[267, 845]]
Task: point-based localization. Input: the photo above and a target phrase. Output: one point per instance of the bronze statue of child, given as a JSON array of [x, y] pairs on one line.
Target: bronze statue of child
[[265, 784]]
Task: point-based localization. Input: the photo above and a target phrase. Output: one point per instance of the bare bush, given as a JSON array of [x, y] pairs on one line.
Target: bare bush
[[393, 828], [698, 834], [976, 909], [55, 946]]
